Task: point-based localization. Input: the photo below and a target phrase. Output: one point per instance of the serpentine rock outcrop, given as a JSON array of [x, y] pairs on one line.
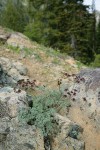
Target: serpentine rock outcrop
[[70, 137], [85, 92], [4, 35], [14, 39], [15, 135], [11, 71], [11, 102]]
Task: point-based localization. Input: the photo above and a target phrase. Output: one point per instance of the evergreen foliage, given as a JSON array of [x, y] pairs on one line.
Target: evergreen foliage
[[14, 16], [98, 38], [34, 31], [96, 62], [66, 25]]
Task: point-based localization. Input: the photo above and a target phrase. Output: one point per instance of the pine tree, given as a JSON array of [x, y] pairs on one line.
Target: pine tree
[[66, 25], [76, 22], [14, 15], [98, 38]]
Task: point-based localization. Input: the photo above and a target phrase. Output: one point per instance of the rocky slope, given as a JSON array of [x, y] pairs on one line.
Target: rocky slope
[[22, 59], [84, 92]]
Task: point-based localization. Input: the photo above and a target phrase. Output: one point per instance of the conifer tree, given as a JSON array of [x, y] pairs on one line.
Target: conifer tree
[[14, 15], [98, 38], [66, 25]]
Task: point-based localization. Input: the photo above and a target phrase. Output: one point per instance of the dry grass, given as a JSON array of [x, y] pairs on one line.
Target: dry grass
[[40, 63]]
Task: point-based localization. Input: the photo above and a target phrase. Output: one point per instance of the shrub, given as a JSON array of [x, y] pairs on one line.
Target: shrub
[[96, 62], [34, 32], [41, 114]]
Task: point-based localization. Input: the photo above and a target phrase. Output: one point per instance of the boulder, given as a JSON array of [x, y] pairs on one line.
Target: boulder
[[3, 35], [73, 144], [14, 134], [19, 40], [21, 69], [63, 141], [17, 136], [11, 102], [3, 38], [86, 89], [11, 71]]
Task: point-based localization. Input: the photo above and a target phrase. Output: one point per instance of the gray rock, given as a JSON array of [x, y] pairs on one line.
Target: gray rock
[[4, 128], [11, 71], [21, 69], [11, 102], [92, 78], [6, 90], [3, 37], [73, 144], [63, 141], [88, 93], [21, 137], [5, 64], [17, 136], [18, 40]]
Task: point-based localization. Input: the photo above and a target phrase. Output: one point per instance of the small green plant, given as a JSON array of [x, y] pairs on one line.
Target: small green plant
[[14, 48], [74, 131], [79, 64], [42, 112], [38, 57], [1, 43], [27, 51], [56, 61]]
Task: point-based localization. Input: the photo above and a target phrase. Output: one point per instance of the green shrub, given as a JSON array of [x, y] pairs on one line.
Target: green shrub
[[14, 48], [96, 62], [41, 114], [34, 32]]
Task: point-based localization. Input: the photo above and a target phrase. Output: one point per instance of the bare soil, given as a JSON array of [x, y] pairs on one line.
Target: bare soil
[[91, 134]]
